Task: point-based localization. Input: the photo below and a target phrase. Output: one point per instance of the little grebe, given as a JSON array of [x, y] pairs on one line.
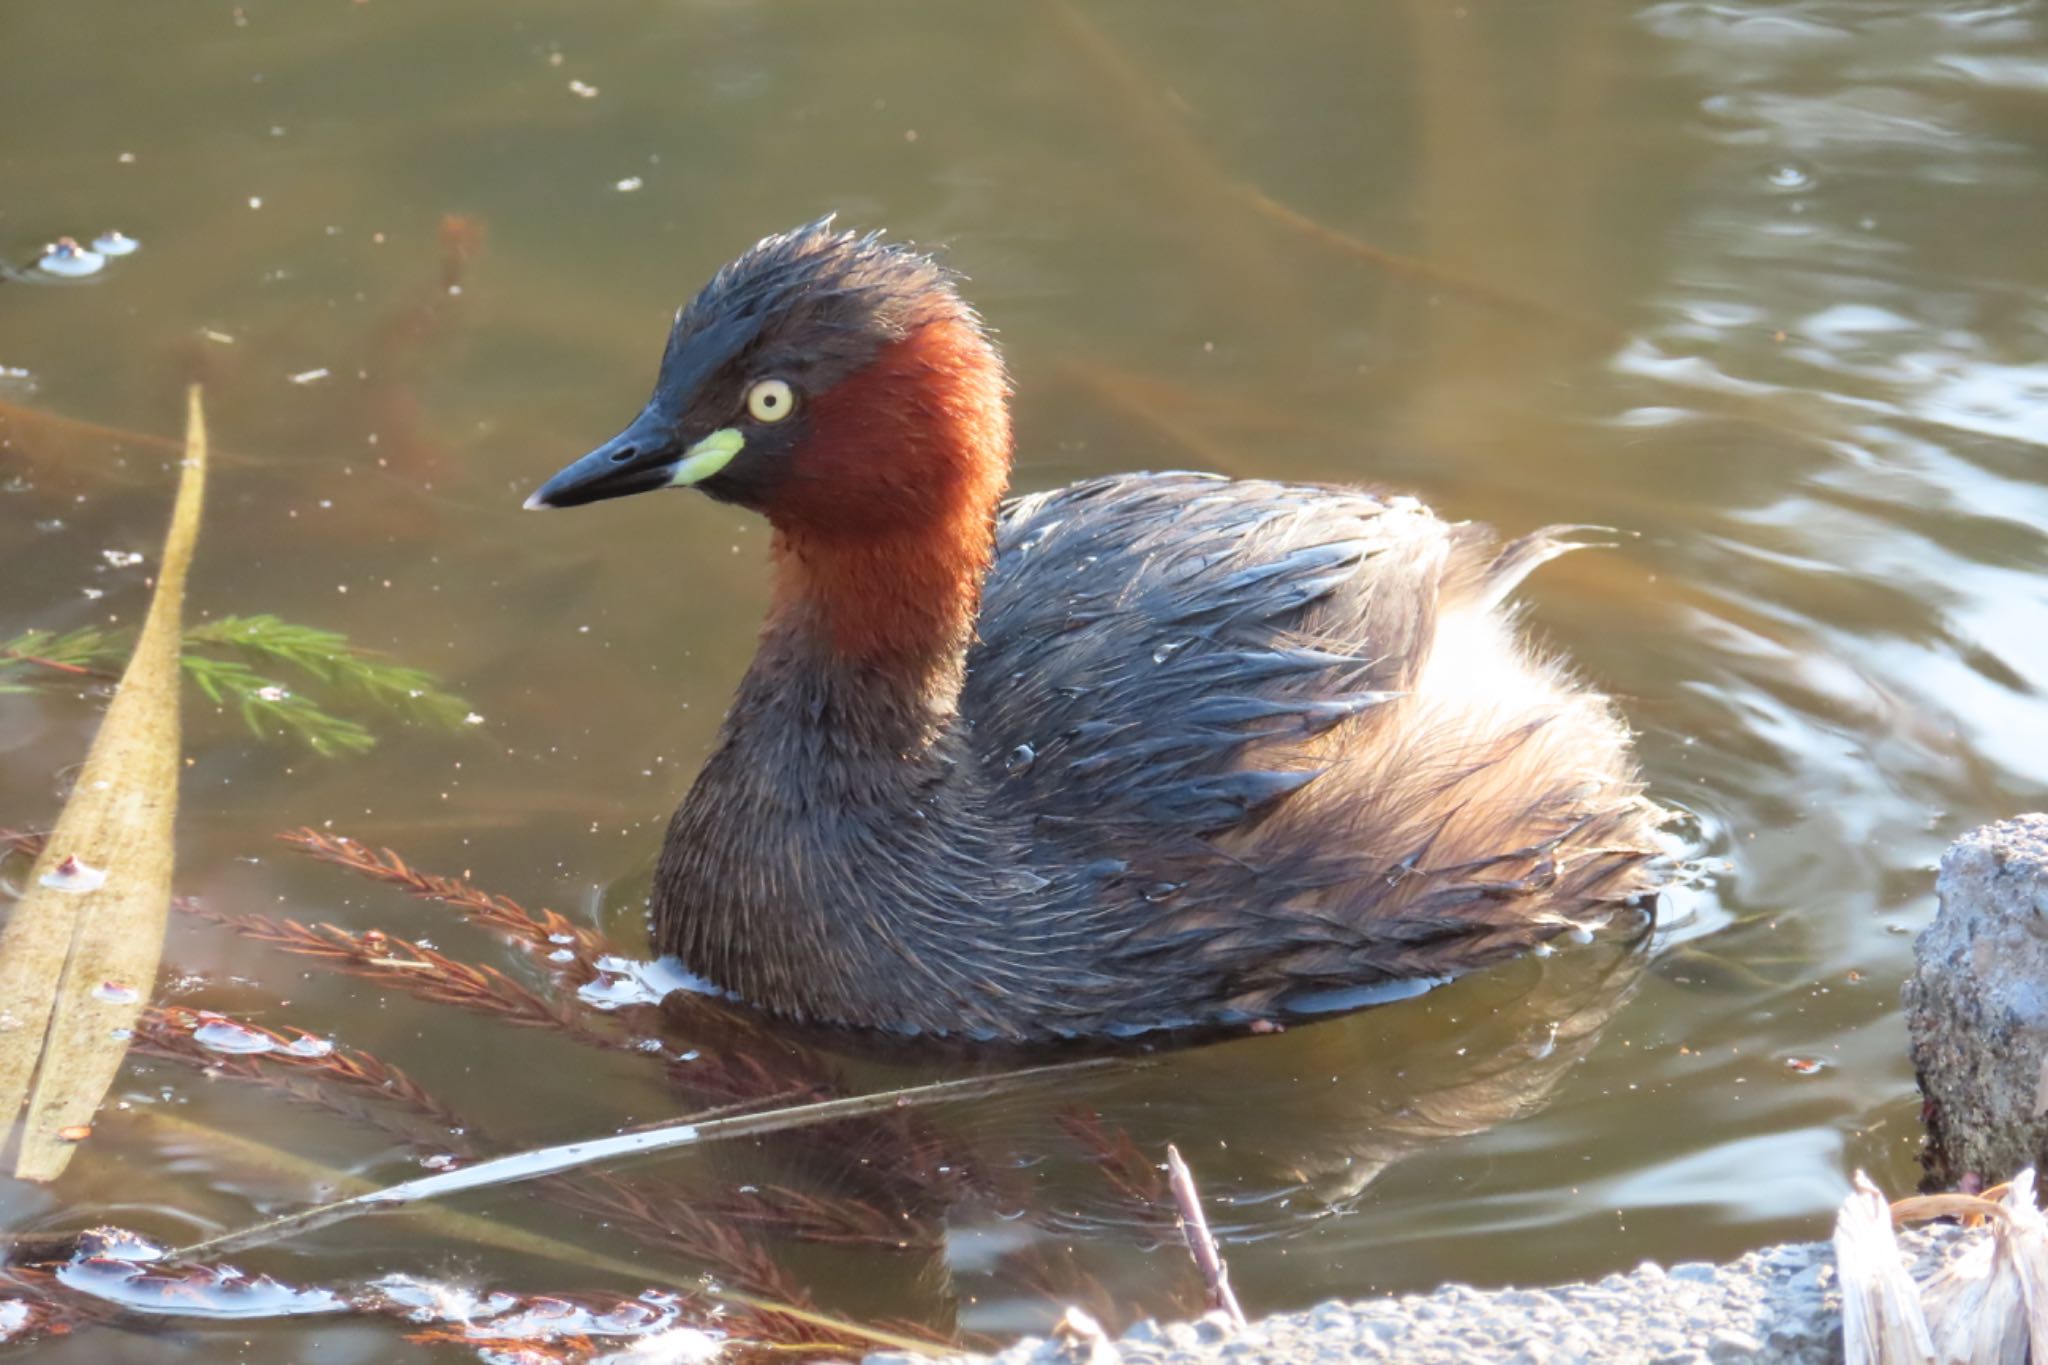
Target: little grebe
[[1150, 750]]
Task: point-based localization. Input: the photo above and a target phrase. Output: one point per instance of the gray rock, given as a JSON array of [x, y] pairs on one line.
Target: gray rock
[[1977, 1005]]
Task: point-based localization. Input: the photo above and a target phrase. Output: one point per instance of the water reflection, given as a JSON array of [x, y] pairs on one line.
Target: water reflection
[[979, 1204]]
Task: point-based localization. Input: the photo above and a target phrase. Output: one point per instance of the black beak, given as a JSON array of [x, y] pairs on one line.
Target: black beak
[[639, 459]]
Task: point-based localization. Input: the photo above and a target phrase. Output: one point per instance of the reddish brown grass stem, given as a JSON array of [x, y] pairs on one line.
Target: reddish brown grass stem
[[544, 931]]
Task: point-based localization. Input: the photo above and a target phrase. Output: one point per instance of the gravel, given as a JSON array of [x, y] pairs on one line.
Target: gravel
[[1777, 1306]]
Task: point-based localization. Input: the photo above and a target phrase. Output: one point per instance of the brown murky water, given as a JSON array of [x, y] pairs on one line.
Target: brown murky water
[[1762, 285]]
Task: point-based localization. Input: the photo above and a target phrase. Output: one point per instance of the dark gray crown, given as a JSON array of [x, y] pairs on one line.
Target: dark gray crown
[[816, 298]]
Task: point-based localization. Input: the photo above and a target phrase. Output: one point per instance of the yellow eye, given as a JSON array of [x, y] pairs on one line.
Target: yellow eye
[[770, 400]]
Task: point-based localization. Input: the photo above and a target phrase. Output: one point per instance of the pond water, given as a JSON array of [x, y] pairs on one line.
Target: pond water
[[1760, 285]]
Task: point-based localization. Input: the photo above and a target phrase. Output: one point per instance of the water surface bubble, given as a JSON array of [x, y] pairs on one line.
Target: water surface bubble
[[74, 874], [203, 1292], [225, 1035], [67, 259], [117, 1244], [625, 981], [115, 243], [1788, 175]]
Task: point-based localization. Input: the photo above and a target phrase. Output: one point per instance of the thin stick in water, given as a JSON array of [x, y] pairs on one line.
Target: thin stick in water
[[521, 1166], [1195, 1227]]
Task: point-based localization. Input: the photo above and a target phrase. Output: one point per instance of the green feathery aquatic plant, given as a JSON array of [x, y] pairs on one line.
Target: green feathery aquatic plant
[[222, 658]]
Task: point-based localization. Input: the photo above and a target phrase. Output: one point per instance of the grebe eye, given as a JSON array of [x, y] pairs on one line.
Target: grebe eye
[[770, 400]]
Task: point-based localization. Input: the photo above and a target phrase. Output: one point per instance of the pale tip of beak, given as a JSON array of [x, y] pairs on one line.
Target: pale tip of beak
[[534, 504]]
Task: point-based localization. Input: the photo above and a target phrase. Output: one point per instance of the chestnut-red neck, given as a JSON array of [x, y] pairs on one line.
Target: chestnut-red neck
[[884, 531]]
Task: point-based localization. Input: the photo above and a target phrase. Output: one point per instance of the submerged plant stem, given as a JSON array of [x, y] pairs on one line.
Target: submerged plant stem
[[522, 1166], [543, 931]]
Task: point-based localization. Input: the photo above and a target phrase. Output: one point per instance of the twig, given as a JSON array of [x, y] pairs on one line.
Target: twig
[[1215, 1274], [545, 1161], [1969, 1207], [57, 664]]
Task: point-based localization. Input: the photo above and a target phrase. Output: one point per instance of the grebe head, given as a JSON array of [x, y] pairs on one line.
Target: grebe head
[[833, 382]]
